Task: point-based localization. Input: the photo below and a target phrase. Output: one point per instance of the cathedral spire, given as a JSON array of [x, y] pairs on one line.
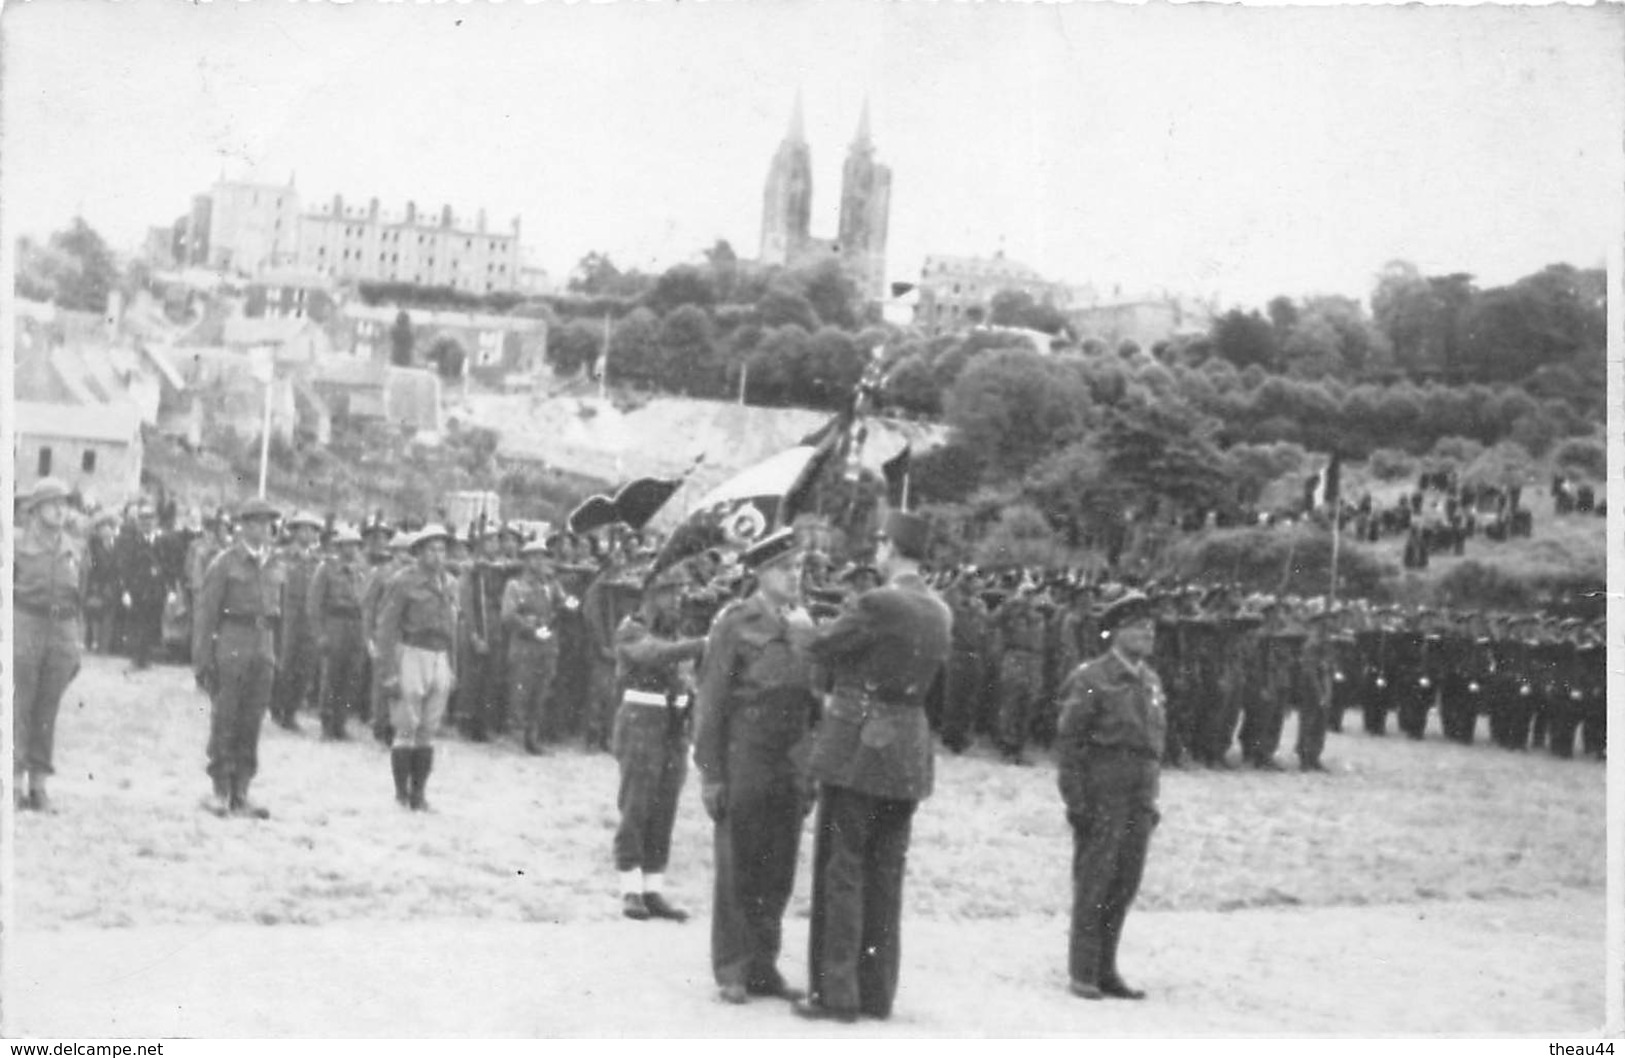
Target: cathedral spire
[[862, 138], [798, 133]]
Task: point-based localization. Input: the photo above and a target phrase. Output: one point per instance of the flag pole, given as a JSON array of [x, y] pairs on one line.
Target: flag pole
[[1337, 536], [603, 363], [904, 497]]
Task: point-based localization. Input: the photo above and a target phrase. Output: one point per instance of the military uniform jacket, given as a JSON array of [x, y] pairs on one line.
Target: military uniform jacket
[[655, 677], [240, 591], [140, 567], [883, 653], [480, 597], [529, 604], [419, 610], [1108, 705], [49, 574], [754, 705], [299, 567], [335, 591]]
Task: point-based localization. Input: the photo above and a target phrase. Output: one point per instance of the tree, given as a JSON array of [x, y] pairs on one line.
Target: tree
[[782, 305], [831, 293], [1245, 339], [829, 368], [74, 269], [1017, 406], [596, 274], [723, 263], [448, 357], [682, 284], [574, 345], [912, 387], [401, 340], [691, 364], [634, 349]]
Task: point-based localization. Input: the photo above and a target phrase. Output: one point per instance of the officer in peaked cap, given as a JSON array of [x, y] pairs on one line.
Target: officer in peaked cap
[[234, 656], [1110, 744], [754, 709], [48, 585]]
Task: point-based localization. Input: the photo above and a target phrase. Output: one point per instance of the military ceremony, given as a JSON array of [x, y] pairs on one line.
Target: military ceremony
[[415, 635]]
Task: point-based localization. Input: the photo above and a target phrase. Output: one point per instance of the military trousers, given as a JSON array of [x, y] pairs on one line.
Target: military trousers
[[1314, 695], [45, 660], [1374, 704], [425, 686], [1458, 708], [601, 703], [1563, 712], [1111, 835], [1415, 702], [650, 743], [962, 686], [344, 672], [145, 626], [755, 847], [245, 671], [859, 855], [482, 692], [532, 673], [1223, 715], [1021, 686], [1261, 723], [297, 671]]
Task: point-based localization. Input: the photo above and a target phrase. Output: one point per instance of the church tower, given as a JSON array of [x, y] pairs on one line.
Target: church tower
[[865, 207], [787, 202]]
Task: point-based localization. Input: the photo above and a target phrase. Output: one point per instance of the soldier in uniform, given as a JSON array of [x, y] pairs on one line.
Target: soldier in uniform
[[1110, 745], [234, 656], [49, 577], [1264, 707], [384, 552], [650, 742], [483, 646], [607, 600], [1020, 635], [416, 639], [103, 603], [334, 603], [965, 678], [141, 584], [298, 659], [754, 710], [872, 756], [529, 613]]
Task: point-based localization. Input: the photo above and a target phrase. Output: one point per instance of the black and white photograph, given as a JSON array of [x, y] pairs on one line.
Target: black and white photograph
[[852, 520]]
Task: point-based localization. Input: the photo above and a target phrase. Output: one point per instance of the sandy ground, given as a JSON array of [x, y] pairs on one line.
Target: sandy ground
[[1420, 888]]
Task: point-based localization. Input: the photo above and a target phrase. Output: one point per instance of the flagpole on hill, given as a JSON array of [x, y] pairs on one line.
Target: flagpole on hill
[[603, 363]]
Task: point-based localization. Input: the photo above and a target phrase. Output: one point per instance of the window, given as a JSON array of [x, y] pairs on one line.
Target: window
[[44, 460]]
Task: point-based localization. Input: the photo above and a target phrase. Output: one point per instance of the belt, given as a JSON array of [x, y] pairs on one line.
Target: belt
[[343, 611], [49, 613], [429, 641], [636, 697], [255, 620], [1119, 751]]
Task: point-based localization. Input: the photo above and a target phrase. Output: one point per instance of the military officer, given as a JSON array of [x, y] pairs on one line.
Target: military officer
[[142, 583], [754, 709], [298, 660], [49, 578], [1019, 628], [234, 657], [483, 644], [397, 559], [967, 665], [530, 610], [650, 741], [1109, 748], [416, 638], [872, 758], [334, 604]]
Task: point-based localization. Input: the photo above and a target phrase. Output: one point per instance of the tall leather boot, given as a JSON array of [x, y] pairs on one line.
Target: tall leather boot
[[422, 765], [400, 763]]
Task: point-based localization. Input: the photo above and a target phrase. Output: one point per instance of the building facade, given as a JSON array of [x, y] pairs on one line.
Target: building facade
[[254, 228], [860, 240], [95, 448], [956, 293]]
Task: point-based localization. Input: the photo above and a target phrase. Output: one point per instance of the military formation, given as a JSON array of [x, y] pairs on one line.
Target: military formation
[[1236, 664]]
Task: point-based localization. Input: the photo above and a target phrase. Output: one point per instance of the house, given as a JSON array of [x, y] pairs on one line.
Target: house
[[1144, 320], [95, 448], [374, 390], [491, 349], [293, 340], [290, 293]]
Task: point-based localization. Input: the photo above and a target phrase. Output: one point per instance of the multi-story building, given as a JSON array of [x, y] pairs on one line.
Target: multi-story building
[[860, 242], [253, 228], [956, 293]]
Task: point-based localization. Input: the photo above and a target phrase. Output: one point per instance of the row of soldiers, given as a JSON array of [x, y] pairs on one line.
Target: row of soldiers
[[1235, 664]]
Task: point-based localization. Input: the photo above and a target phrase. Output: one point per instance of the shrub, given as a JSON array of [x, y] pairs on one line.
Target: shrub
[[1391, 464], [1296, 561], [1582, 458]]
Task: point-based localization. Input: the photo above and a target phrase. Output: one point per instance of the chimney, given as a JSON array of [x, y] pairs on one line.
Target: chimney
[[445, 216], [372, 209], [411, 213], [481, 226]]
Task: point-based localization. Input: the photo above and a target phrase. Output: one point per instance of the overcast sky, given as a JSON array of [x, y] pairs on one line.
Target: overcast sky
[[1242, 152]]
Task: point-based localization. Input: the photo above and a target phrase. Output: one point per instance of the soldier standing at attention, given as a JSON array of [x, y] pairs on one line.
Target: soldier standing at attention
[[650, 742], [1020, 630], [873, 758], [334, 603], [417, 633], [480, 639], [48, 586], [1109, 748], [234, 656], [754, 711], [529, 612], [299, 659]]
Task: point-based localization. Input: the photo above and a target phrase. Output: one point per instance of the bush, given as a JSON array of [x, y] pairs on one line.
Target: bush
[[1296, 561], [1453, 453], [1391, 464], [1586, 459]]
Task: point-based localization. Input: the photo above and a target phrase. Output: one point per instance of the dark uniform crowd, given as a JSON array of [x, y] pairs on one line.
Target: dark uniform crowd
[[794, 687]]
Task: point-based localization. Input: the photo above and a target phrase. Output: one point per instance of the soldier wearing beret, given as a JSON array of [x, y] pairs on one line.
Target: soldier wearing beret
[[1109, 748], [234, 656], [416, 637], [48, 583], [650, 742], [872, 756], [754, 709]]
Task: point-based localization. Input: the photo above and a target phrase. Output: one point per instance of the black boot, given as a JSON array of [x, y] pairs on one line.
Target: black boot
[[219, 802], [400, 763], [422, 765], [241, 805]]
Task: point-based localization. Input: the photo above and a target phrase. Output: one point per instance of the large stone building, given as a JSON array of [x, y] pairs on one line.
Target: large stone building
[[956, 293], [252, 228], [860, 242]]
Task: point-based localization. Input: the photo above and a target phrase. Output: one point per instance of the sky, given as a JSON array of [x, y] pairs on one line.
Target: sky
[[1227, 152]]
